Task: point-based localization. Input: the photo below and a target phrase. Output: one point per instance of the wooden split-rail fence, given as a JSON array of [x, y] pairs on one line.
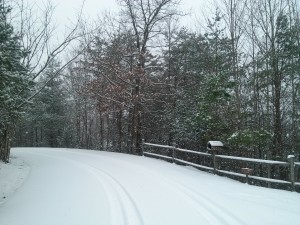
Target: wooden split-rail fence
[[171, 153]]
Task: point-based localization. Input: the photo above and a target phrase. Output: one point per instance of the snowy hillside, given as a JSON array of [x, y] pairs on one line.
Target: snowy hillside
[[70, 187]]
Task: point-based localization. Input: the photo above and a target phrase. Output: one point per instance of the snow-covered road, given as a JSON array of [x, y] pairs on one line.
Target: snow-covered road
[[81, 187]]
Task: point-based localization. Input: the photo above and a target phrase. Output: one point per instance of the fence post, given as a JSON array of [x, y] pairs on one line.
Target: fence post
[[247, 178], [291, 159], [173, 152], [247, 171], [269, 175], [215, 162], [143, 142]]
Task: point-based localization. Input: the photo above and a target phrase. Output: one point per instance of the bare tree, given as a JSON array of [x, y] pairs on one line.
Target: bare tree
[[145, 18], [36, 31], [271, 30]]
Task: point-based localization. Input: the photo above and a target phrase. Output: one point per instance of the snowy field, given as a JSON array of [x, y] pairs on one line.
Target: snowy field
[[81, 187]]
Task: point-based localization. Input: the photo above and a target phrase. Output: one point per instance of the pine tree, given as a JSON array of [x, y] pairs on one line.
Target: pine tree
[[14, 81], [46, 123], [204, 88]]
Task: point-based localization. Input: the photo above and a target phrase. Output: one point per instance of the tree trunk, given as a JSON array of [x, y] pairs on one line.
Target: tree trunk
[[277, 80], [278, 143], [130, 131], [5, 141], [101, 134], [120, 130], [137, 119], [139, 131]]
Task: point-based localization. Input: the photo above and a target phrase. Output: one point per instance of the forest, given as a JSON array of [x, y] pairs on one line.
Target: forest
[[140, 75]]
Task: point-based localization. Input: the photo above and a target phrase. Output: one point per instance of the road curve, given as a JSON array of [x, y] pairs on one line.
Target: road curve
[[82, 187]]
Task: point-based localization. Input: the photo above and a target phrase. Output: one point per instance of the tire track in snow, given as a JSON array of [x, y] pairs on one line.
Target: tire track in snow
[[214, 212], [127, 211], [123, 209], [130, 211], [116, 207], [209, 215], [223, 215], [205, 208]]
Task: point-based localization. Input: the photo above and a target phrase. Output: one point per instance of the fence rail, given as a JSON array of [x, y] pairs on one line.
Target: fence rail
[[214, 159], [262, 161], [190, 151], [157, 155], [193, 164]]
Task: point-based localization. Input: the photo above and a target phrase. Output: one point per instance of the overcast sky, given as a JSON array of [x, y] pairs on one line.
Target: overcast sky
[[68, 9]]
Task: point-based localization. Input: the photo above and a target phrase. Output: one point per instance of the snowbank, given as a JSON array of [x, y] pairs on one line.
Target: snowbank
[[12, 176]]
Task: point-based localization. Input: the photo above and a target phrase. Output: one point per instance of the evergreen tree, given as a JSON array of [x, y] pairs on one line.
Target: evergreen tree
[[204, 86], [14, 81], [46, 122]]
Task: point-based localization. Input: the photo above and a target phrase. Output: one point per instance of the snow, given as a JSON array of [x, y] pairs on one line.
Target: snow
[[193, 164], [157, 155], [254, 177], [82, 187], [232, 173], [253, 160], [194, 152], [12, 176], [160, 146], [270, 180], [177, 149], [215, 143]]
